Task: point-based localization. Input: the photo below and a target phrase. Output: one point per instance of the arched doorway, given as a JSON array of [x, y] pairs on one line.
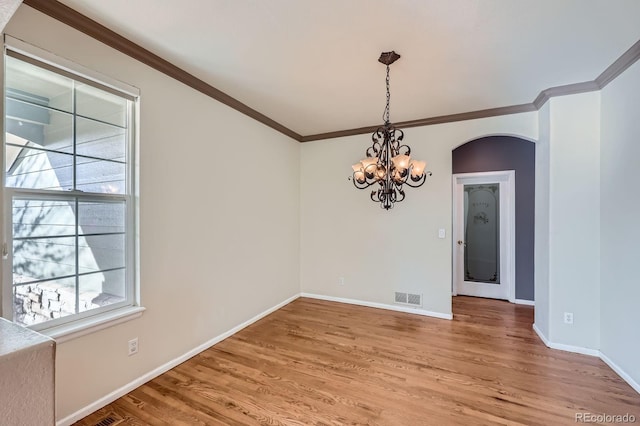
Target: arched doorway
[[503, 153]]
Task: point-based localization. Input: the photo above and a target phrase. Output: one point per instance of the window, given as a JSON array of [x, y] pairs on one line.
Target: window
[[68, 192]]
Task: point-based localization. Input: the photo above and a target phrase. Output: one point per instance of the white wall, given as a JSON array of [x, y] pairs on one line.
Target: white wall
[[541, 244], [345, 234], [620, 180], [217, 246], [574, 219]]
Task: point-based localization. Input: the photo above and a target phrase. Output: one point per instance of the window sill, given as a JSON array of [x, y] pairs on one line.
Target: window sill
[[86, 326]]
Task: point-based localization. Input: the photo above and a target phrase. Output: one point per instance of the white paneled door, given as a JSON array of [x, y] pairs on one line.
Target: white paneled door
[[484, 234]]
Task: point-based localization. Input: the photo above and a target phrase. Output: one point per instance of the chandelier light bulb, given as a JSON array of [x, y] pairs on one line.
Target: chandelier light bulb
[[368, 162], [417, 169], [401, 161]]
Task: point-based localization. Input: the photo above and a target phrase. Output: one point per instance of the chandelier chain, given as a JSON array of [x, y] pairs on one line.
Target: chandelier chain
[[386, 113]]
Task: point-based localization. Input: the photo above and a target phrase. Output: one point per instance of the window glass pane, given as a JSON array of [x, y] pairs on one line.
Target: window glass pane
[[92, 102], [101, 150], [30, 83], [35, 168], [101, 289], [100, 176], [101, 217], [34, 135], [36, 259], [43, 127], [100, 252], [44, 301], [99, 140], [482, 233], [43, 218], [44, 240]]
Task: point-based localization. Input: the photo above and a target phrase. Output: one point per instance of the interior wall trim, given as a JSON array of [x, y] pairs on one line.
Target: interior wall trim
[[623, 374], [388, 307], [562, 347], [567, 89], [86, 25], [471, 115], [627, 59], [591, 352]]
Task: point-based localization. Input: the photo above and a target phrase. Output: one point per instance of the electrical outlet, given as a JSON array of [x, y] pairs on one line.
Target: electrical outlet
[[340, 280], [133, 346], [568, 317]]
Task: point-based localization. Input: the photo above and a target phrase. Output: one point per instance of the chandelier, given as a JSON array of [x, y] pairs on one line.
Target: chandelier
[[388, 162]]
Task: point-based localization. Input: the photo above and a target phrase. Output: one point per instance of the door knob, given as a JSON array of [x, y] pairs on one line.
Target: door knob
[[460, 242]]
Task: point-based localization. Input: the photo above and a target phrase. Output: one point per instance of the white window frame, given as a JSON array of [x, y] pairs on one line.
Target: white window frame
[[79, 324]]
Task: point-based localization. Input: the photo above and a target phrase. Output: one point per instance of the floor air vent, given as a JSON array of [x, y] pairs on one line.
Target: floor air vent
[[110, 420], [408, 299]]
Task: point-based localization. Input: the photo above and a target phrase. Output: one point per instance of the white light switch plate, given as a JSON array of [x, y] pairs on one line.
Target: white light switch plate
[[441, 233]]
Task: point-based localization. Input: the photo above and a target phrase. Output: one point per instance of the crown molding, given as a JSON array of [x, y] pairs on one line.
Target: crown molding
[[567, 89], [82, 23], [627, 59], [471, 115]]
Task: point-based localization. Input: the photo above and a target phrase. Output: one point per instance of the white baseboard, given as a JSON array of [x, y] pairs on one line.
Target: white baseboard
[[615, 367], [575, 349], [541, 335], [405, 309], [525, 302], [593, 352], [563, 347], [109, 398]]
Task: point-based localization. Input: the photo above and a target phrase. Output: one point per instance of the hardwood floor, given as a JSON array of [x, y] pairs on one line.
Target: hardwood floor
[[324, 363]]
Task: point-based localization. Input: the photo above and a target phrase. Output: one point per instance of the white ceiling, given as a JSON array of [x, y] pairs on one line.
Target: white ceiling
[[312, 65]]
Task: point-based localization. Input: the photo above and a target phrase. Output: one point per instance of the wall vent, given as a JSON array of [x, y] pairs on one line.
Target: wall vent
[[408, 299]]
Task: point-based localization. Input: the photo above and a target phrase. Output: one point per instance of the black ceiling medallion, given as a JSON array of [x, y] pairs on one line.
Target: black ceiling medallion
[[388, 162]]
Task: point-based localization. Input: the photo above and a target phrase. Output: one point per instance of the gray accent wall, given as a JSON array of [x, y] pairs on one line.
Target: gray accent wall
[[495, 153]]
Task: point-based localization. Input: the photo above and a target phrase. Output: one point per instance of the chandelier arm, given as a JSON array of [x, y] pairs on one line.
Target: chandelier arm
[[378, 134], [362, 185], [396, 146], [407, 149], [420, 182], [389, 199], [373, 150]]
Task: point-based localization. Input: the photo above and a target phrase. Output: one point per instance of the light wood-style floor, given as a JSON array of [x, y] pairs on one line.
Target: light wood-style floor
[[324, 363]]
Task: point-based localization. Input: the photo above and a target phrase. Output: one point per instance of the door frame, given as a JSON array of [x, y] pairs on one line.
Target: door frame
[[506, 179]]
